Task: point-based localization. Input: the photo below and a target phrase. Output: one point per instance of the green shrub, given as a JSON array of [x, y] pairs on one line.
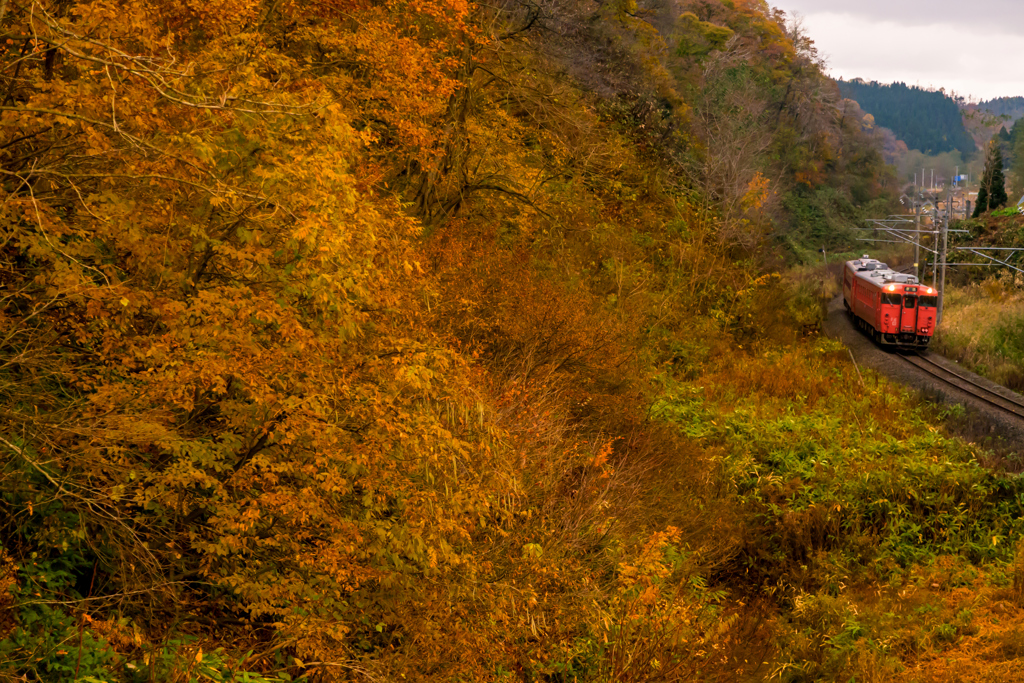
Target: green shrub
[[48, 642], [823, 469]]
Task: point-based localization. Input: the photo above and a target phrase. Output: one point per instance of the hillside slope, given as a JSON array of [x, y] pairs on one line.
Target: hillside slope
[[420, 341], [929, 121], [1012, 108]]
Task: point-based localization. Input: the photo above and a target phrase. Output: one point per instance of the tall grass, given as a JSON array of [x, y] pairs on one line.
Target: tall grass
[[852, 512], [983, 328]]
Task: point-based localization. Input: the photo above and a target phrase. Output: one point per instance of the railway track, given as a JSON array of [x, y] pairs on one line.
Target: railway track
[[1013, 406]]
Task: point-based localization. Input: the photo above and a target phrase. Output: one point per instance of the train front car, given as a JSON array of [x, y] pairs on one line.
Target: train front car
[[894, 308]]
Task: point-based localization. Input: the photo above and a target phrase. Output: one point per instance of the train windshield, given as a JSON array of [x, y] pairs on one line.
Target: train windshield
[[891, 298], [929, 301], [909, 301]]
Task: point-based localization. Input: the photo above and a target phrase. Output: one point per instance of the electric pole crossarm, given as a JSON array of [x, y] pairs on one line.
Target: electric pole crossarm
[[904, 240], [906, 230], [993, 248], [900, 238], [991, 258], [868, 239]]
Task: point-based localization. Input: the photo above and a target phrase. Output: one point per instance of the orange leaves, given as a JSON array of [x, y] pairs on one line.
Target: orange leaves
[[757, 193], [221, 17], [600, 463], [400, 64], [205, 277], [650, 565], [809, 175], [247, 375]]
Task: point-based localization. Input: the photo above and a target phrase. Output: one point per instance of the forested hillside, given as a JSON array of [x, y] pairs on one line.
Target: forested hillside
[[1014, 156], [442, 341], [1010, 107], [929, 121]]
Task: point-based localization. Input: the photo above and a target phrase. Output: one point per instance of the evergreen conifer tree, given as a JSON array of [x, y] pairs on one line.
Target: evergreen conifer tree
[[997, 188], [981, 203], [1016, 161], [992, 193], [1005, 142]]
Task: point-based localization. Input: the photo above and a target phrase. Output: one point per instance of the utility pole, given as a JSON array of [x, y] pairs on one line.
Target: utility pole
[[935, 242], [917, 236], [942, 281]]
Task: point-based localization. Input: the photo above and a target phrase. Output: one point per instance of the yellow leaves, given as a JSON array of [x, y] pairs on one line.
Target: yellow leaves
[[260, 394], [368, 137], [649, 595], [624, 8], [414, 266], [757, 193], [698, 37], [532, 551]]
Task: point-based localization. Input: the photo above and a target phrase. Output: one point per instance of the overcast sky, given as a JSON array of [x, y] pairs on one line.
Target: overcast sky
[[975, 49]]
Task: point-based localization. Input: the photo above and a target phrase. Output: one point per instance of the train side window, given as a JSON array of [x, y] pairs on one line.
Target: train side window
[[929, 301], [891, 298], [909, 301]]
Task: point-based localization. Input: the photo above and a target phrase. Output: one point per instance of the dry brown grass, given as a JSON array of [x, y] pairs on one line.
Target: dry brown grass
[[970, 320], [8, 584]]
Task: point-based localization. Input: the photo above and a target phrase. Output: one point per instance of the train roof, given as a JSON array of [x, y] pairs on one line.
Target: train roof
[[874, 271]]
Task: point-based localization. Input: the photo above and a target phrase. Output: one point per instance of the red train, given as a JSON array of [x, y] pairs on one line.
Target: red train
[[892, 307]]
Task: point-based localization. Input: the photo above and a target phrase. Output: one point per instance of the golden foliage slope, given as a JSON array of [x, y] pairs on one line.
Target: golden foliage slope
[[329, 332]]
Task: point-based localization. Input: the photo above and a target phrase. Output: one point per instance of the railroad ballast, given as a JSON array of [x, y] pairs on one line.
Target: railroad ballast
[[894, 308]]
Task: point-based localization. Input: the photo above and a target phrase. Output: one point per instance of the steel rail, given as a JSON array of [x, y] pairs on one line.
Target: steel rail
[[965, 384]]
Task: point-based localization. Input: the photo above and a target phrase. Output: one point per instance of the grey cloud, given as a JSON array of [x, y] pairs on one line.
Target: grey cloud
[[1000, 16]]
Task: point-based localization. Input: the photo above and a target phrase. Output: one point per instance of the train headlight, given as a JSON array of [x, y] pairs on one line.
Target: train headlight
[[892, 288]]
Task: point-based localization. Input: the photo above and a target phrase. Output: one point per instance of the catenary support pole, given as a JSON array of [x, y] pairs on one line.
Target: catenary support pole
[[916, 236], [942, 257], [935, 241]]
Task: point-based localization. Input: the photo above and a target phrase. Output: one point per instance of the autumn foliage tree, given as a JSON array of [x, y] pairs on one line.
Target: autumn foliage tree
[[202, 357], [328, 330]]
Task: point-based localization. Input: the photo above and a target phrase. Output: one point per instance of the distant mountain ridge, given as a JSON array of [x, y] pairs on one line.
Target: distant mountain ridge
[[993, 117], [1012, 107], [926, 120]]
